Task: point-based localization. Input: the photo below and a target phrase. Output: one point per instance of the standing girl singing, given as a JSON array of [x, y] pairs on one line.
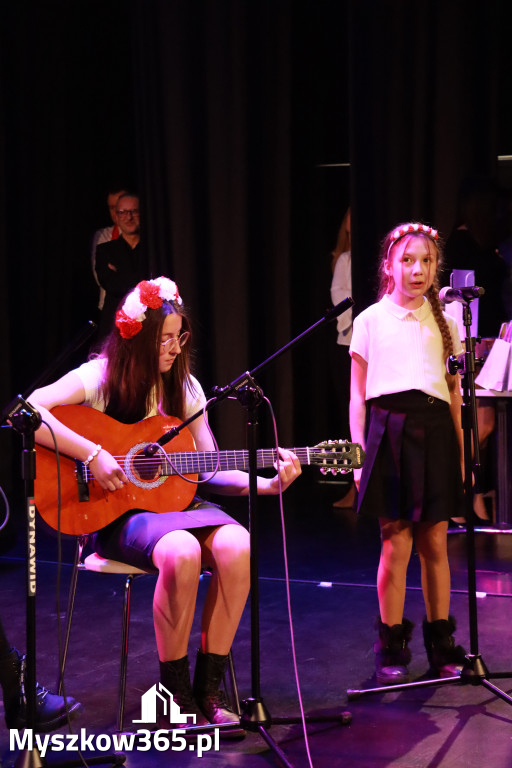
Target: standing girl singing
[[405, 409]]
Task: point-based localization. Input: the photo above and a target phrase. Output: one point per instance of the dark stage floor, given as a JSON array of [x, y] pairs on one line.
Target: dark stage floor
[[332, 559]]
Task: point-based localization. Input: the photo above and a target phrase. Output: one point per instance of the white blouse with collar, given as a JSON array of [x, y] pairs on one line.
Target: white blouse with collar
[[403, 349]]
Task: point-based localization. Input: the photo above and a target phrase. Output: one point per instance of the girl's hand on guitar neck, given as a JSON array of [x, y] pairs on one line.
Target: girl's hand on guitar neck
[[288, 469], [107, 471]]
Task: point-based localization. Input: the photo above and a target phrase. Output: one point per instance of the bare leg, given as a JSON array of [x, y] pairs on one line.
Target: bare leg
[[395, 554], [178, 558], [226, 550], [486, 417], [431, 544]]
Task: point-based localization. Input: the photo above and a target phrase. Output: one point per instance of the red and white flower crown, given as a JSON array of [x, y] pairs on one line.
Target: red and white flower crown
[[147, 294], [413, 228]]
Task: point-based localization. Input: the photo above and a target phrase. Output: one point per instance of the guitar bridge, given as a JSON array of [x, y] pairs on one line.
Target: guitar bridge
[[82, 485]]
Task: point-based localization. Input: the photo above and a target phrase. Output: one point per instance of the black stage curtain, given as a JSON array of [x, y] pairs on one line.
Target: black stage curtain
[[213, 82], [66, 130], [425, 105], [229, 108], [233, 118]]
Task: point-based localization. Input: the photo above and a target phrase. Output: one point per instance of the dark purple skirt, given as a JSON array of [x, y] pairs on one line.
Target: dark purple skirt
[[132, 538], [412, 466]]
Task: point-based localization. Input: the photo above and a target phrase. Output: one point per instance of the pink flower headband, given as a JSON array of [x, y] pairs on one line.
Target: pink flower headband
[[147, 294], [413, 228]]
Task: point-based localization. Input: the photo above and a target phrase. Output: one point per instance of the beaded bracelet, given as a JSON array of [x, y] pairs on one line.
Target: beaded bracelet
[[92, 456]]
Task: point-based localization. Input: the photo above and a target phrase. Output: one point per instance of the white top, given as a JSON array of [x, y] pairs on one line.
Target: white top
[[92, 374], [341, 288], [403, 349], [101, 236]]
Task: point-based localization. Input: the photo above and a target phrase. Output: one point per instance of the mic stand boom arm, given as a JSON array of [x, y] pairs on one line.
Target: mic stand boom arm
[[240, 383]]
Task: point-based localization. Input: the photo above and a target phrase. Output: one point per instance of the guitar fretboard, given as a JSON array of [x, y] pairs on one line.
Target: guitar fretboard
[[207, 461]]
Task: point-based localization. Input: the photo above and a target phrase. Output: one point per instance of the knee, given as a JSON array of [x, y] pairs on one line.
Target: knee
[[178, 554], [432, 552], [397, 550], [432, 544], [231, 550]]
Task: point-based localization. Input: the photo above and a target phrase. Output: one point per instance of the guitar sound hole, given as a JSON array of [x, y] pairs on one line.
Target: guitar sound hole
[[146, 469]]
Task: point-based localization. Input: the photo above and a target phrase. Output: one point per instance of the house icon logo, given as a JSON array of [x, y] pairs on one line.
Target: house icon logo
[[158, 698]]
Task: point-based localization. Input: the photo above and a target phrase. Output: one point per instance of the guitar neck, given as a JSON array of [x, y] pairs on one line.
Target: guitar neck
[[196, 462]]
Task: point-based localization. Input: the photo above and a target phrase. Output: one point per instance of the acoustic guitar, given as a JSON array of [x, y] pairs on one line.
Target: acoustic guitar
[[164, 482]]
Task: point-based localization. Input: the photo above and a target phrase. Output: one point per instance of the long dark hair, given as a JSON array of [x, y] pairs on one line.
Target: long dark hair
[[133, 380]]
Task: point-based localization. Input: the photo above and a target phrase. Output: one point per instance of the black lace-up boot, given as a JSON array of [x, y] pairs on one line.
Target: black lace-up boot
[[50, 709], [210, 668], [175, 677]]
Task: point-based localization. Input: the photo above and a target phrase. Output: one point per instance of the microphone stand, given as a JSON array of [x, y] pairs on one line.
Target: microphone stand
[[255, 715], [474, 671], [26, 420]]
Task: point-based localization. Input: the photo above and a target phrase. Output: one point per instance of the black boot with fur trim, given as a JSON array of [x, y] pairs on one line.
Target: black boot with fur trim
[[445, 658], [392, 652]]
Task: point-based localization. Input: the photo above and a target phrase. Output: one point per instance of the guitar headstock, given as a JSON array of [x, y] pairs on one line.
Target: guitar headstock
[[337, 456]]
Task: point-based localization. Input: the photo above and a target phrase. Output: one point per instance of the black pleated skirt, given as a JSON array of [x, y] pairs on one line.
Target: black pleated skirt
[[412, 466]]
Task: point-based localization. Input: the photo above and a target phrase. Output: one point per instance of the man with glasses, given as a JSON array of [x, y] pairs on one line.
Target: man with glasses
[[120, 264]]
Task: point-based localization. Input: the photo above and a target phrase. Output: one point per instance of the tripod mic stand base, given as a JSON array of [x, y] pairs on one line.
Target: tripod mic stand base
[[256, 717], [474, 670], [30, 758], [254, 714]]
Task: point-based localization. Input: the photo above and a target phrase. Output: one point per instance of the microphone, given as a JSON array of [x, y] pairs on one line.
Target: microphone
[[463, 295]]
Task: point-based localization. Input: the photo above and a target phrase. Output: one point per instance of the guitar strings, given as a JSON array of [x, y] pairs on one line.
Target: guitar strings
[[194, 462]]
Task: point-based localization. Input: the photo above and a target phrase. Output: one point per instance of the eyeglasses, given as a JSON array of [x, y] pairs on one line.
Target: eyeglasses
[[132, 213], [173, 341]]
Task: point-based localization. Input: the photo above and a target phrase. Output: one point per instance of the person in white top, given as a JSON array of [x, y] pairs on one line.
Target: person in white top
[[105, 235], [143, 369], [341, 288], [405, 410]]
